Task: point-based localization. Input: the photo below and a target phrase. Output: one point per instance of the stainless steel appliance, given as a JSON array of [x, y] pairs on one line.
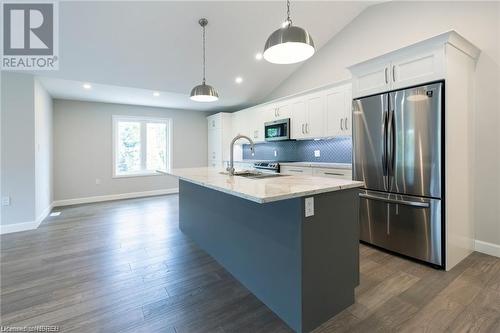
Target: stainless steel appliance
[[398, 153], [267, 167], [277, 130]]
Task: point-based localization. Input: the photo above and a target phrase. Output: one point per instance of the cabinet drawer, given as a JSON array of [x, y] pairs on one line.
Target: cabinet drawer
[[292, 170], [334, 173]]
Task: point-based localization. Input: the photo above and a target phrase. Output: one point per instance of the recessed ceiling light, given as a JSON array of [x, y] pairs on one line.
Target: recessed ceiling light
[[238, 79], [258, 56], [87, 86], [156, 94]]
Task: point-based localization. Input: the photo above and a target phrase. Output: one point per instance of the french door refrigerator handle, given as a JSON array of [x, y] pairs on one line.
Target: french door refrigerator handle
[[391, 129], [396, 201], [384, 143]]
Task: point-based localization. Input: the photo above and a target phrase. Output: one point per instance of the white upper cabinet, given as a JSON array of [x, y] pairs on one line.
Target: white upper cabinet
[[419, 67], [416, 64], [338, 110], [219, 137], [307, 116], [298, 118], [315, 124], [371, 78]]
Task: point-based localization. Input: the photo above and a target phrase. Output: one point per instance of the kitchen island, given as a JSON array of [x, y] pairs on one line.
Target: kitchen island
[[291, 240]]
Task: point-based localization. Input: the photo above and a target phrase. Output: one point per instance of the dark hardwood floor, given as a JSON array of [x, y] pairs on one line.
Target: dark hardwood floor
[[124, 266]]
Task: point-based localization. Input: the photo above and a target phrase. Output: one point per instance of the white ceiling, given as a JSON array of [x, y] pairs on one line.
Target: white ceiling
[[121, 45]]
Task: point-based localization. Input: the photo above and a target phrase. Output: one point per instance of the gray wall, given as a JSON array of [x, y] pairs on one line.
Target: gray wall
[[18, 155], [43, 150], [83, 148], [392, 25]]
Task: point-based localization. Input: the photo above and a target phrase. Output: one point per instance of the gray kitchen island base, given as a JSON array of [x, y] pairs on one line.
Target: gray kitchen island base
[[304, 269]]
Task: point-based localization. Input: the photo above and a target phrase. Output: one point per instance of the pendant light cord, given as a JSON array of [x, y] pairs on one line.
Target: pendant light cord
[[204, 57], [288, 18]]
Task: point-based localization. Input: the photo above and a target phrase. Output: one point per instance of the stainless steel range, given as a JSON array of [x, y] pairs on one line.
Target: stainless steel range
[[267, 167]]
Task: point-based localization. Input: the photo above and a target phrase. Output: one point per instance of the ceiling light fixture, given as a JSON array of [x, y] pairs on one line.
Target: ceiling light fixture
[[238, 79], [204, 92], [87, 86], [156, 94], [289, 44]]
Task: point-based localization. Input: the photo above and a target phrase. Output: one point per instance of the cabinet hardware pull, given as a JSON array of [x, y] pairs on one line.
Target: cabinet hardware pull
[[303, 129], [341, 124], [307, 128], [295, 170], [385, 73], [393, 73], [346, 124], [333, 174]]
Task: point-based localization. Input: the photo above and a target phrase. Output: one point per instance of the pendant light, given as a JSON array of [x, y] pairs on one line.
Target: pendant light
[[289, 44], [204, 92]]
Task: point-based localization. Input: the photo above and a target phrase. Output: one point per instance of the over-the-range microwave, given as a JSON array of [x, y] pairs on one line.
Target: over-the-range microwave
[[277, 130]]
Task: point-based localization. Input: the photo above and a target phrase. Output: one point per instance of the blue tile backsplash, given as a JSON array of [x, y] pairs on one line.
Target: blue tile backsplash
[[337, 150]]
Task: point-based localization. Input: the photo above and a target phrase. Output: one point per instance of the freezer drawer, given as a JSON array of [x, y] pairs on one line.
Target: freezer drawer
[[403, 224]]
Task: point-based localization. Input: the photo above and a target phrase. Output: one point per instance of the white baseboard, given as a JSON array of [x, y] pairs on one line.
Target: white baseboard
[[24, 226], [16, 227], [488, 248], [100, 198]]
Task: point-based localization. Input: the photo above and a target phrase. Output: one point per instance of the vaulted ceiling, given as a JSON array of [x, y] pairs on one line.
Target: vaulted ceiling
[[156, 46]]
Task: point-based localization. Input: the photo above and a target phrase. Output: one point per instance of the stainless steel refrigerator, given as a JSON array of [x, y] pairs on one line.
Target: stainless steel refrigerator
[[398, 153]]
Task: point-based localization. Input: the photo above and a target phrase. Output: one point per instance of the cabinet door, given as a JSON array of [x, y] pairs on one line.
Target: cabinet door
[[333, 173], [315, 124], [214, 121], [371, 79], [214, 147], [256, 119], [347, 114], [417, 68], [283, 110], [298, 118], [334, 114], [293, 170], [268, 112]]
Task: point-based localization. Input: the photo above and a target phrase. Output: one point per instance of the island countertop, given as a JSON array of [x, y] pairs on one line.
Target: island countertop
[[266, 189]]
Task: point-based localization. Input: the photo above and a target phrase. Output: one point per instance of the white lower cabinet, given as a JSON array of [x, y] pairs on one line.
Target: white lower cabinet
[[316, 171], [334, 173], [293, 170]]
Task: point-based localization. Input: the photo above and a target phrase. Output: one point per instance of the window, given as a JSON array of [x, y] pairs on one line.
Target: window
[[140, 146]]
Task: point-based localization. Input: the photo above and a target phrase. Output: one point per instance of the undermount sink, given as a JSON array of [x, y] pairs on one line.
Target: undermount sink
[[253, 174]]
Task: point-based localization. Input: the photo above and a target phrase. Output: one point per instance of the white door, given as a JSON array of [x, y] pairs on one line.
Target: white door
[[298, 118], [371, 79], [315, 124], [414, 69]]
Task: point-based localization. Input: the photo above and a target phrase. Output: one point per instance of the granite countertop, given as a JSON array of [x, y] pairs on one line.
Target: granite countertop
[[263, 190], [320, 165]]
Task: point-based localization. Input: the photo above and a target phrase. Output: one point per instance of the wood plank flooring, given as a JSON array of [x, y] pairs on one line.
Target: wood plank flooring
[[124, 266]]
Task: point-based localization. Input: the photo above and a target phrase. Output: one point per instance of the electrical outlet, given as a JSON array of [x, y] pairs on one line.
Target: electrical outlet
[[97, 181], [275, 153], [5, 201], [309, 203], [317, 153]]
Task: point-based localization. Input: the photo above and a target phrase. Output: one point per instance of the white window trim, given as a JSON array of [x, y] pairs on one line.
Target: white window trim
[[143, 120]]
